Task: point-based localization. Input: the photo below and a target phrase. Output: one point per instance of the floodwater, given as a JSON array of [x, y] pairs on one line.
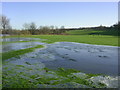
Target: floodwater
[[96, 59], [84, 57], [18, 39], [87, 58], [19, 45]]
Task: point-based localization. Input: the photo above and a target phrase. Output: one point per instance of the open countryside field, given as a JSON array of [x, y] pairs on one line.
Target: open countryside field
[[71, 45], [80, 36], [82, 78]]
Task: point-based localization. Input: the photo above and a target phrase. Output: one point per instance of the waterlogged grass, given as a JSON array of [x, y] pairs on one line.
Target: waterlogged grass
[[65, 72], [61, 76], [16, 53]]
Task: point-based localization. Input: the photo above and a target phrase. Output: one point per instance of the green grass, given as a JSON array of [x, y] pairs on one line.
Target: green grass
[[18, 82], [82, 32], [65, 72], [77, 36], [16, 53], [88, 39], [88, 36], [111, 32]]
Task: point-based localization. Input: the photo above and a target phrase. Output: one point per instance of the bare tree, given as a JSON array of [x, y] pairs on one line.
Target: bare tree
[[4, 22], [26, 26], [31, 27], [62, 27], [52, 27]]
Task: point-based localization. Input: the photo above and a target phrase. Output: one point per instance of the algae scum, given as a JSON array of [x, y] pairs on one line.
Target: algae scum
[[60, 65]]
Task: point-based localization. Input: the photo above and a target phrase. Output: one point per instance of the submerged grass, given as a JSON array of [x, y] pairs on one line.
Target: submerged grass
[[67, 74], [63, 76], [16, 53]]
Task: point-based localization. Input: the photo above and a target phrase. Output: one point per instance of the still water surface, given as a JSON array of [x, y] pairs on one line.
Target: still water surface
[[84, 57]]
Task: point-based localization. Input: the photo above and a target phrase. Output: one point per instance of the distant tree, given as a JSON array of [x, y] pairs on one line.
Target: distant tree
[[116, 26], [62, 27], [31, 27], [26, 26], [4, 23], [52, 27]]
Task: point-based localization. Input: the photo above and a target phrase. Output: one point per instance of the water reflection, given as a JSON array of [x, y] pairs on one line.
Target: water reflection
[[17, 46], [18, 39], [84, 57]]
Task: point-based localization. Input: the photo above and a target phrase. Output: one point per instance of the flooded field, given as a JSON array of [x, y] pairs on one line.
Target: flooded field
[[18, 46], [18, 39], [83, 57], [94, 59], [19, 43]]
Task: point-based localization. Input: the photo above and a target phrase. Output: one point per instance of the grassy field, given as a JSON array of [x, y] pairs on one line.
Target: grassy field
[[89, 39], [110, 32], [63, 75], [76, 36], [99, 37]]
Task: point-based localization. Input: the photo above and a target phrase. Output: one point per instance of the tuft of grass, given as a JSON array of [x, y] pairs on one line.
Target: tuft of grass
[[65, 72], [92, 75], [16, 53]]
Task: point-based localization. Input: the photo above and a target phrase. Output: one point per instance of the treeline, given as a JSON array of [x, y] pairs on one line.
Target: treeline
[[33, 32], [28, 28], [43, 30], [32, 29]]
